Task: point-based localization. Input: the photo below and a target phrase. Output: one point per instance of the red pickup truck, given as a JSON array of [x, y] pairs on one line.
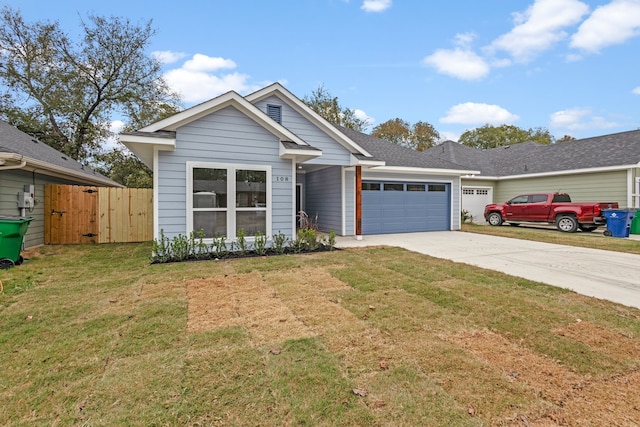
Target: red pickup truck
[[554, 208]]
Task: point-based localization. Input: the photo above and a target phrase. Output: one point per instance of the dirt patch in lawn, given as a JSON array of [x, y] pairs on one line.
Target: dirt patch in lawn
[[242, 300], [576, 398], [611, 342]]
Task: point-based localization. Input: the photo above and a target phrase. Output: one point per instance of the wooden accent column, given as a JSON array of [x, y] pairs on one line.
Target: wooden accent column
[[358, 200]]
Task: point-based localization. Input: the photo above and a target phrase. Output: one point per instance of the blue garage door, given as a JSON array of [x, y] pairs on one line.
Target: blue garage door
[[405, 207]]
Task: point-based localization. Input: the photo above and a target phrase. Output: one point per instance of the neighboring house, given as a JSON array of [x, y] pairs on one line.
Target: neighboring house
[[26, 165], [254, 162], [604, 168]]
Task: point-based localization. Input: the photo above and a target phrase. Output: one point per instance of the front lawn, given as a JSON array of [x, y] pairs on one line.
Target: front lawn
[[95, 335], [550, 234]]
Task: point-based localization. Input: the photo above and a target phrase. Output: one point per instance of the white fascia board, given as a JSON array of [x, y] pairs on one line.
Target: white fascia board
[[45, 168], [145, 146], [228, 99], [281, 92], [430, 171], [300, 156], [368, 163], [569, 172]]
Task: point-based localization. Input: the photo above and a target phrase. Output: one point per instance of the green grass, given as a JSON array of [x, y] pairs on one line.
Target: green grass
[[593, 240], [95, 335]]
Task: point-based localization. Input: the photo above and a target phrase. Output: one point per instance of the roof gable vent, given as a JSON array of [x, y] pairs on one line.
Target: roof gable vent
[[275, 112]]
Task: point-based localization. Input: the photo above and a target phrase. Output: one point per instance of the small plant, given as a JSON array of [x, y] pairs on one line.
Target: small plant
[[306, 222], [280, 242], [219, 247], [241, 244], [308, 239], [465, 216], [201, 249], [161, 249], [181, 247], [260, 244], [331, 241]]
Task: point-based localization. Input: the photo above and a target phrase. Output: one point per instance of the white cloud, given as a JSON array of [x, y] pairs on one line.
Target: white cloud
[[167, 56], [375, 5], [539, 27], [201, 63], [461, 63], [202, 77], [636, 90], [471, 113], [610, 24], [579, 119]]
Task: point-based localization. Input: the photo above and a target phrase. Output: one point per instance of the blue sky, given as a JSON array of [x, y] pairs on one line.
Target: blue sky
[[571, 66]]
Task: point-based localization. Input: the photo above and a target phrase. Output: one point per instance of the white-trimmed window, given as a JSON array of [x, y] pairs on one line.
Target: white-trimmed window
[[223, 198]]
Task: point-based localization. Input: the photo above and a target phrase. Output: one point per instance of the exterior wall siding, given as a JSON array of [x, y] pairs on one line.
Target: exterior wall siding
[[12, 182], [332, 152], [226, 136], [324, 198], [587, 187], [454, 181]]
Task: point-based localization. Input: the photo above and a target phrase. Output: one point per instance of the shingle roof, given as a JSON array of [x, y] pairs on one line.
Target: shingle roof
[[396, 155], [13, 140], [618, 149]]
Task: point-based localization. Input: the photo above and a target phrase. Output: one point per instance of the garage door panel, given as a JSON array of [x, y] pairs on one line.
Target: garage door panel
[[405, 211]]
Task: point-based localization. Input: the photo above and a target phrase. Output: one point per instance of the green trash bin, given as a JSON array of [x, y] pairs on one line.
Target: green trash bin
[[635, 224], [12, 230]]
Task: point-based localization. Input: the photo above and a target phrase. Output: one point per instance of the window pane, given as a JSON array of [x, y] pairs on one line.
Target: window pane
[[252, 222], [370, 186], [209, 188], [394, 187], [214, 224], [437, 187], [415, 187], [251, 189]]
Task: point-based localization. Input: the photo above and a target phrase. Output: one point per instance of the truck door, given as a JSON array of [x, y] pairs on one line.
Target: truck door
[[538, 208], [515, 207]]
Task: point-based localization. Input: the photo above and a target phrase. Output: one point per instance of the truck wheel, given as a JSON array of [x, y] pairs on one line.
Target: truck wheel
[[587, 228], [494, 219], [568, 224]]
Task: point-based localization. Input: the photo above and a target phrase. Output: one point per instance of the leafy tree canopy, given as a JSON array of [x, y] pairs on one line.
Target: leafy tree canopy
[[124, 168], [65, 93], [419, 136], [328, 107], [566, 138], [489, 136]]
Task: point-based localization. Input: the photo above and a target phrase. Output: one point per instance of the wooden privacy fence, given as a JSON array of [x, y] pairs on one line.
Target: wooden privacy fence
[[83, 214]]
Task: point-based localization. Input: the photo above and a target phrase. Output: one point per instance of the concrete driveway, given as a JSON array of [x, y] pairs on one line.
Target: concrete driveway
[[602, 274]]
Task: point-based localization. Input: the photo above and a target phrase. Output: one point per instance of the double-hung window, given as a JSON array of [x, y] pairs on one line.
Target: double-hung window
[[223, 199]]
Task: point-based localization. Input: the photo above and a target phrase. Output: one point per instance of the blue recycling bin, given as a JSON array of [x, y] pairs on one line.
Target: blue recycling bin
[[618, 221]]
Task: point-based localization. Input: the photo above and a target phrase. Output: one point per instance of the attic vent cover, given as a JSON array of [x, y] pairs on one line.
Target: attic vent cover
[[275, 112], [63, 157], [35, 141]]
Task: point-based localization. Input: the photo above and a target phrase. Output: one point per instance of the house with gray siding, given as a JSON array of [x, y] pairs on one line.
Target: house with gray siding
[[602, 168], [254, 162], [26, 166]]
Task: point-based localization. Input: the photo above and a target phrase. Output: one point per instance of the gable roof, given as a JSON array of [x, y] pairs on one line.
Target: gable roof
[[19, 150], [613, 151], [276, 89], [161, 134]]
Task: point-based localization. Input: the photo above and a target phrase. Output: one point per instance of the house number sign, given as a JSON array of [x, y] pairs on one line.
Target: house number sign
[[281, 178]]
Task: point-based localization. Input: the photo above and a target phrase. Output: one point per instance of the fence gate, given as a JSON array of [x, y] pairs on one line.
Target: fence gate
[[83, 214]]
